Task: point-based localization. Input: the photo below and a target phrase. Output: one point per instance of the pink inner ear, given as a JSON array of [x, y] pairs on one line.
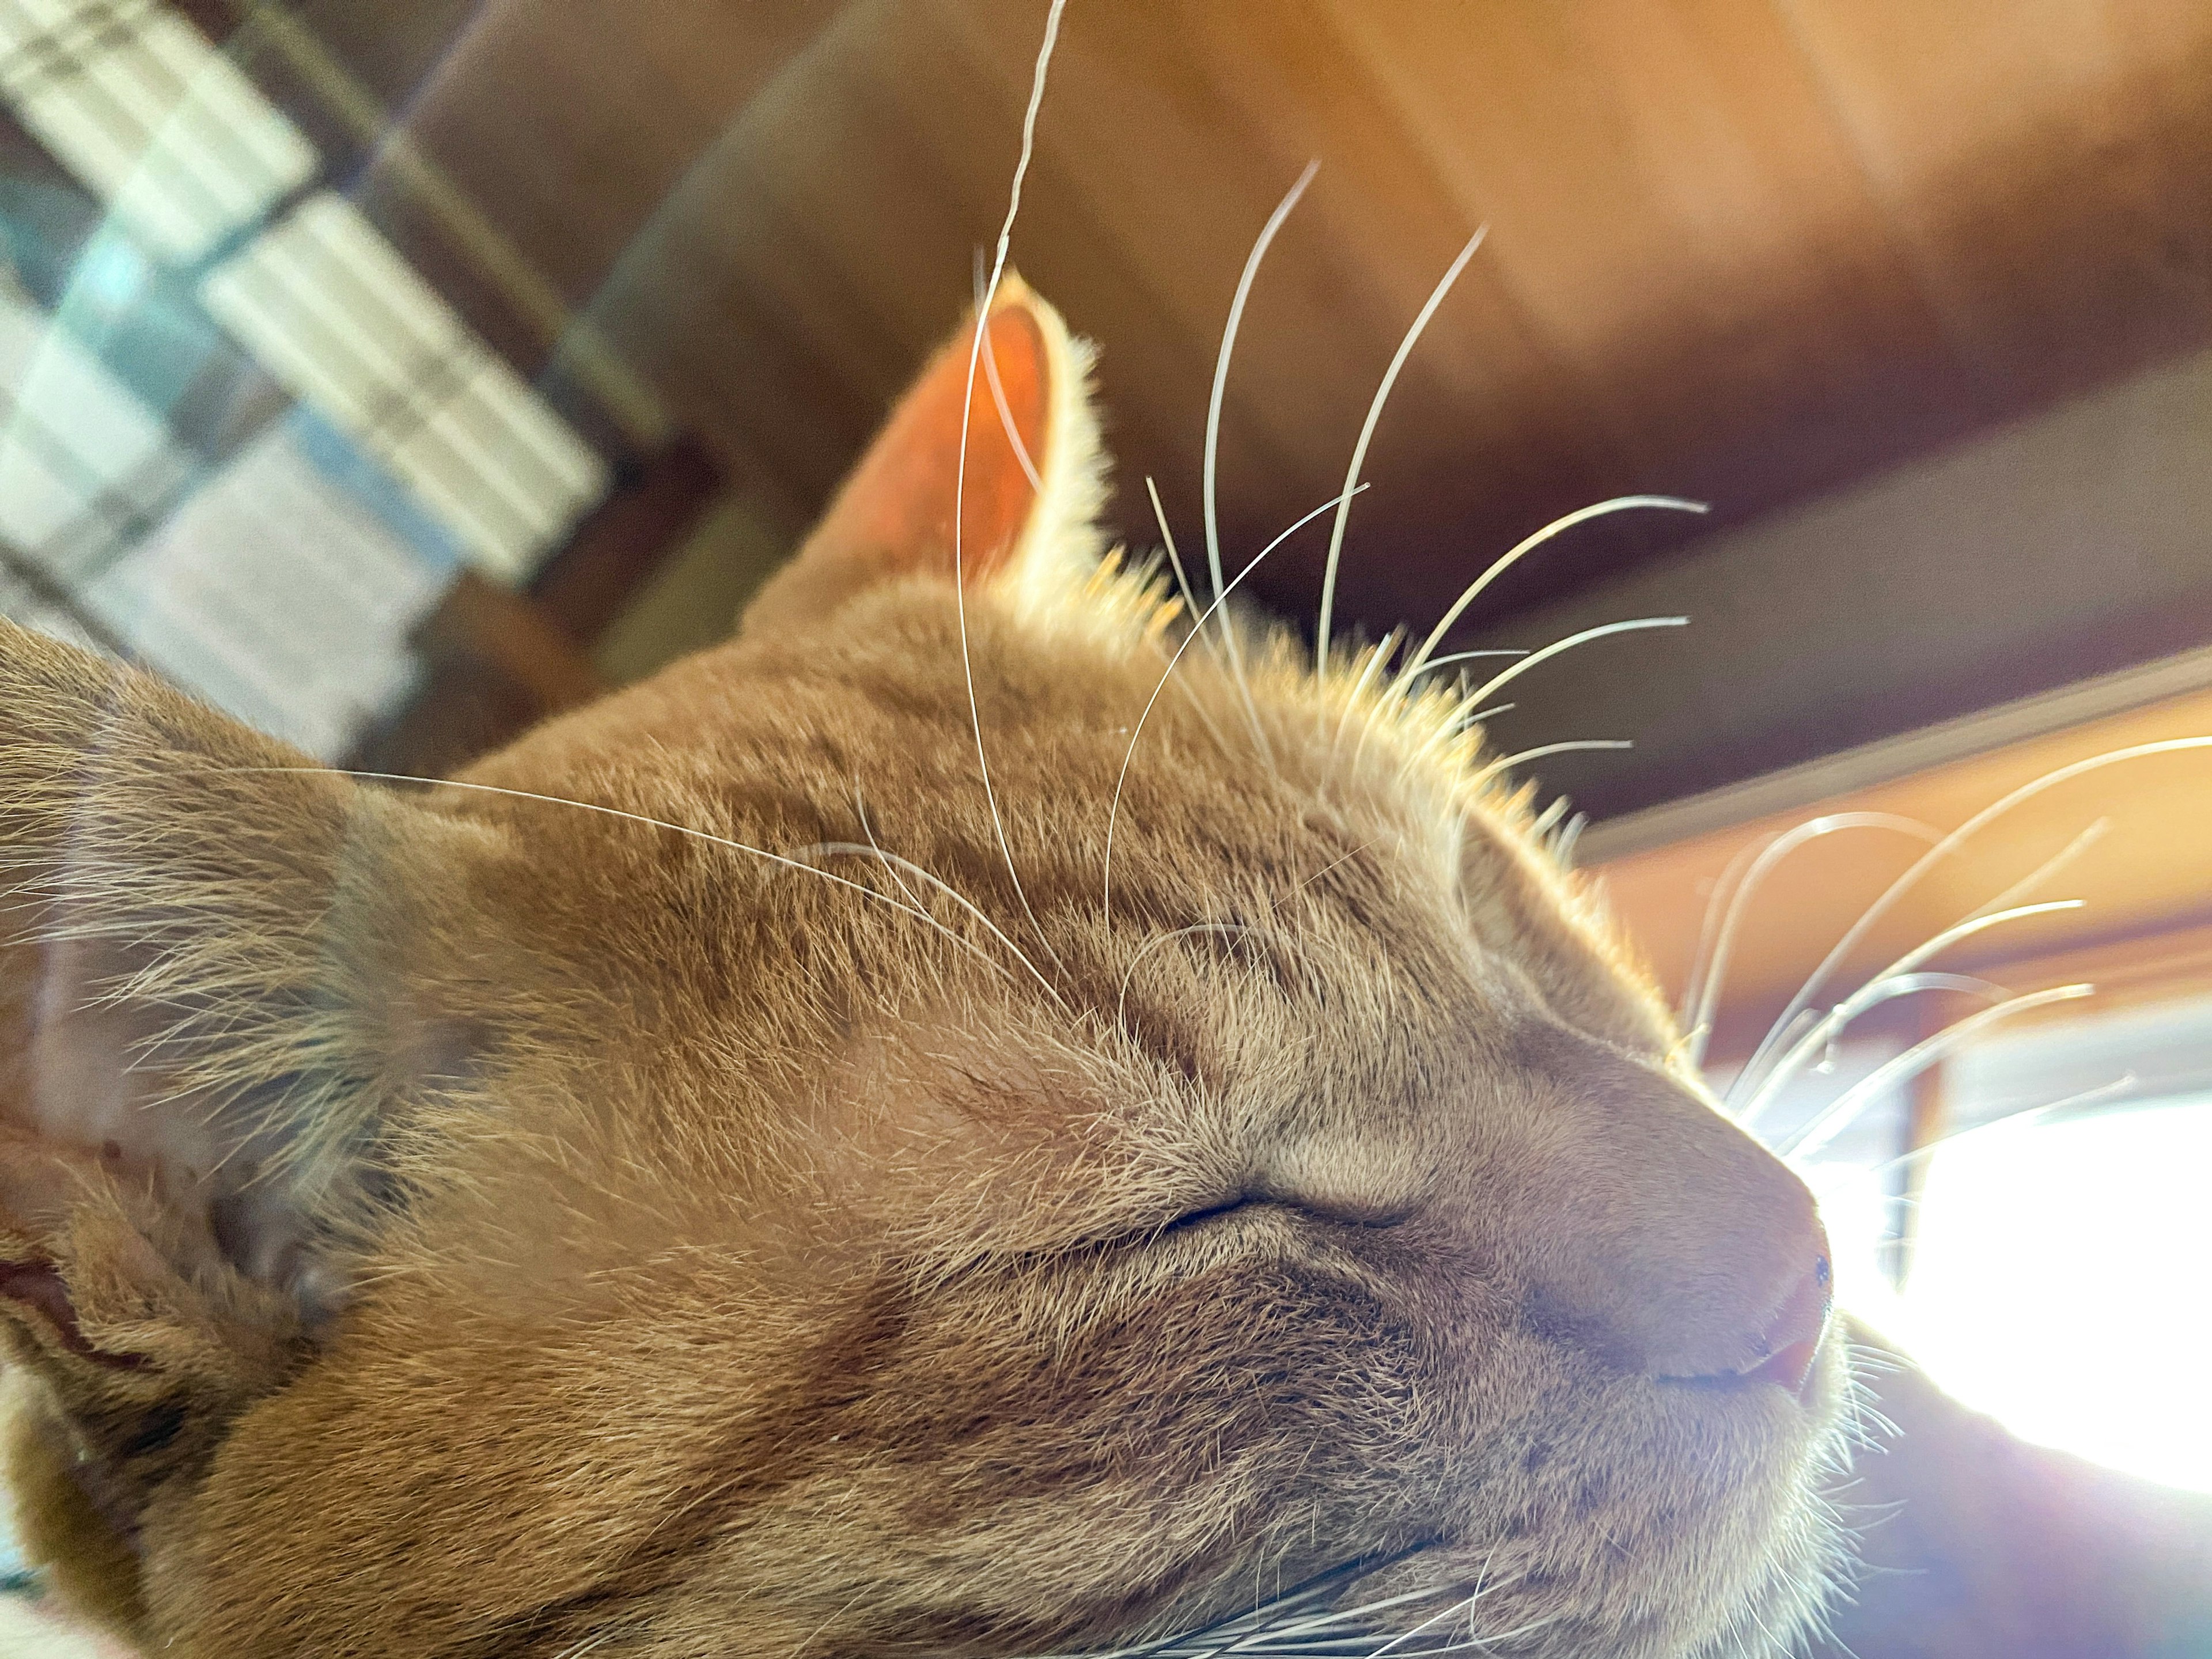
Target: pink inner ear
[[896, 513], [36, 1285]]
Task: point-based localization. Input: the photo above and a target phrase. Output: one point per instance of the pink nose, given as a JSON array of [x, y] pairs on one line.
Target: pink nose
[[1791, 1342]]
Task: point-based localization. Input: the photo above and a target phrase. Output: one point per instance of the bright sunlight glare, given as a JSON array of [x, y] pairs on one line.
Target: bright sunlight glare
[[2058, 1281]]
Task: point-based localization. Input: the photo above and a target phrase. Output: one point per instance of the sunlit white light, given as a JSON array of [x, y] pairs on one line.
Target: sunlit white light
[[331, 310], [2058, 1280], [80, 454], [156, 123], [2059, 1285]]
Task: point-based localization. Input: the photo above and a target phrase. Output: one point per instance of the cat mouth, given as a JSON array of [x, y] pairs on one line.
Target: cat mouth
[[1790, 1368]]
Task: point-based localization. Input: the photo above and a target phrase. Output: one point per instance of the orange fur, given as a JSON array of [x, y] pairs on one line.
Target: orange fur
[[460, 1224]]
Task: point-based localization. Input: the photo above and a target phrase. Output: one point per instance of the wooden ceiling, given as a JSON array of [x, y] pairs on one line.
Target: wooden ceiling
[[1738, 250]]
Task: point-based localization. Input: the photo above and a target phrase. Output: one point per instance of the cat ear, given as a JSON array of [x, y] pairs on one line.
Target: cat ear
[[1027, 500], [209, 1048], [200, 1027]]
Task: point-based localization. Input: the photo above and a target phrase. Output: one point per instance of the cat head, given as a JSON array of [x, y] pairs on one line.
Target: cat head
[[734, 1174]]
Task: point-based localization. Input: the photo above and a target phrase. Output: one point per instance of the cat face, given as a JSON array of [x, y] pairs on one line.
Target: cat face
[[723, 1179]]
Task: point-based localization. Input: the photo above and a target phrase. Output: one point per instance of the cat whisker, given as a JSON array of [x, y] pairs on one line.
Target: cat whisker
[[861, 810], [1482, 714], [1122, 1003], [1507, 762], [1006, 423], [1497, 682], [1358, 1612], [1412, 335], [1175, 560], [1886, 989], [960, 464], [1514, 555], [1734, 890], [780, 860], [893, 862], [1950, 843], [1114, 810], [1208, 475], [1792, 1058], [1334, 864], [1399, 1641], [1836, 1116], [2021, 1115], [2092, 833], [1240, 1633], [1192, 609], [1446, 661]]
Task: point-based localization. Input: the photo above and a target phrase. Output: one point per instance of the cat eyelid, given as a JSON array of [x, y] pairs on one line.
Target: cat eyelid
[[1376, 1219]]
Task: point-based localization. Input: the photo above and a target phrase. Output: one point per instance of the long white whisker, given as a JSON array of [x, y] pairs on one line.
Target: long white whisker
[[999, 394], [1426, 1624], [1950, 843], [1114, 811], [1175, 559], [1450, 657], [1122, 1002], [1367, 435], [684, 830], [1506, 677], [1393, 1644], [1792, 1058], [2092, 833], [1834, 1118], [960, 473], [1338, 1616], [1519, 550], [893, 861], [860, 810], [1540, 750], [1191, 607], [1889, 989], [2066, 855], [1221, 360], [1893, 986], [1245, 1631], [2020, 1114], [1702, 998]]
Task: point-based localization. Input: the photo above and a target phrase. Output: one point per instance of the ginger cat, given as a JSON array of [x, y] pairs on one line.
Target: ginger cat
[[721, 1179]]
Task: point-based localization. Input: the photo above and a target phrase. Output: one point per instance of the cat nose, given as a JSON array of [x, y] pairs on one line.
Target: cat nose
[[1660, 1235], [1793, 1340], [1785, 1352]]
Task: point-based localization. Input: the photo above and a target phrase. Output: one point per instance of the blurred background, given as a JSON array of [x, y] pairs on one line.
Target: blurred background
[[393, 374]]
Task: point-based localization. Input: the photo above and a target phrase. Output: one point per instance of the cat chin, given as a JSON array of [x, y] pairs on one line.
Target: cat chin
[[1735, 1558], [1760, 1601]]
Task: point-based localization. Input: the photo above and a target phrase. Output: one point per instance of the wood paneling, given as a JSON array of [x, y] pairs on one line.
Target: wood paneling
[[1741, 249]]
